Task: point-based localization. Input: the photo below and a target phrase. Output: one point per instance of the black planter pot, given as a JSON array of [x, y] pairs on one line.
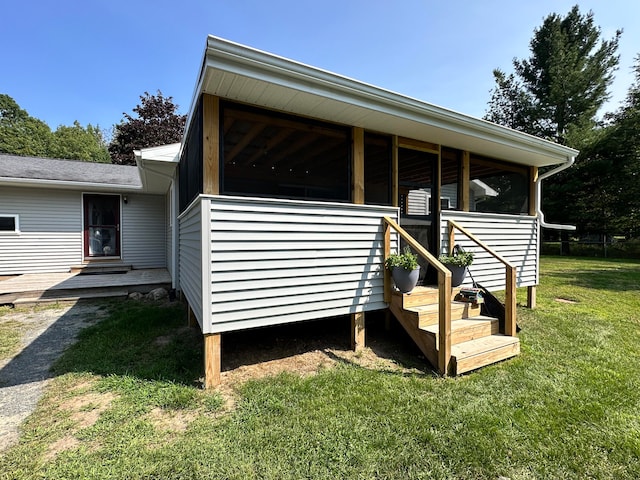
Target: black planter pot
[[458, 274], [405, 280]]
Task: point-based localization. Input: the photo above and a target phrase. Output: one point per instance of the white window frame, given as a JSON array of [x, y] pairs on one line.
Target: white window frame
[[16, 221]]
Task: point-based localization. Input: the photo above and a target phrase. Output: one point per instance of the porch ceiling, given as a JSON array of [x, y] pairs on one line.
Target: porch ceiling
[[242, 74]]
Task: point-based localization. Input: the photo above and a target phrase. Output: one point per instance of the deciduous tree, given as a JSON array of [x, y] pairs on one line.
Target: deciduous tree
[[156, 123]]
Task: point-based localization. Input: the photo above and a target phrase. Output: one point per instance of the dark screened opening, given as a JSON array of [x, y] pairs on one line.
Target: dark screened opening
[[377, 169], [450, 178], [275, 155], [498, 188], [190, 170]]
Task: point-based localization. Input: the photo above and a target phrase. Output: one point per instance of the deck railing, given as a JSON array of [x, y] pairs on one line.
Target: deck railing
[[444, 289], [510, 283]]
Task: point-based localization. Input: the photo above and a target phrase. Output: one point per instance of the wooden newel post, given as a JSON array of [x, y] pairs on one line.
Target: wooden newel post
[[387, 252], [444, 323], [510, 302]]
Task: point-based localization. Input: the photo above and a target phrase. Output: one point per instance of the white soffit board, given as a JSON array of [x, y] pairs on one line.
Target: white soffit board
[[246, 75]]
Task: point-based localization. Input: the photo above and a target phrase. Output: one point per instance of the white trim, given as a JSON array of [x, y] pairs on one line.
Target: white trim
[[16, 224], [235, 60]]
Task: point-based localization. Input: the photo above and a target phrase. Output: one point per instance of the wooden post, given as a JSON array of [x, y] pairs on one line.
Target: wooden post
[[510, 303], [465, 181], [531, 297], [212, 359], [444, 323], [358, 165], [357, 331], [210, 145], [452, 238], [395, 187]]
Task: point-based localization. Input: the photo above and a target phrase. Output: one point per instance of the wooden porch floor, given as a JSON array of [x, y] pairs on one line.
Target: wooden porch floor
[[35, 287]]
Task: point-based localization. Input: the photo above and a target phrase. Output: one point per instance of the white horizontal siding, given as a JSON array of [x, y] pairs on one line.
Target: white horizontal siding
[[50, 237], [144, 231], [279, 261], [190, 258], [514, 237]]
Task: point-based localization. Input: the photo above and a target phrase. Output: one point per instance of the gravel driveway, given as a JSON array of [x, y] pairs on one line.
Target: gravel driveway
[[46, 333]]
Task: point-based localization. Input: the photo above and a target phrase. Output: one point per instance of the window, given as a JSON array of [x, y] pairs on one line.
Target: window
[[497, 187], [270, 154], [9, 223]]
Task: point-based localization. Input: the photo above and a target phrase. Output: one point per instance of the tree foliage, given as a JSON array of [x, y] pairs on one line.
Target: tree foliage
[[559, 89], [22, 134], [156, 123], [556, 94]]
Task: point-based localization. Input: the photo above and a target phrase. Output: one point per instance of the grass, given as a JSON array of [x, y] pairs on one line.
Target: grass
[[567, 407]]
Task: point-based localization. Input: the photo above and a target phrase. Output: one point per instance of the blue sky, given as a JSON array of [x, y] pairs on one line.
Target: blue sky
[[90, 61]]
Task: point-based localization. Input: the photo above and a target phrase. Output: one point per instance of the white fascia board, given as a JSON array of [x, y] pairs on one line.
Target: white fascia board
[[30, 182], [248, 62]]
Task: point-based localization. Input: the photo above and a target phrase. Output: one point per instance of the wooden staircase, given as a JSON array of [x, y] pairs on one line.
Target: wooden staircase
[[475, 339]]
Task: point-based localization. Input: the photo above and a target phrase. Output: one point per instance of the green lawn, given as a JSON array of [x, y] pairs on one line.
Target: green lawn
[[124, 403]]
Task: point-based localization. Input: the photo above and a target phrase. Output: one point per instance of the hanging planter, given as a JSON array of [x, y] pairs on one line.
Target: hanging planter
[[404, 270], [457, 264]]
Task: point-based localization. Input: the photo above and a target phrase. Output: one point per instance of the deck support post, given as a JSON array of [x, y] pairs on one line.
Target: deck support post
[[357, 331], [212, 359], [531, 297]]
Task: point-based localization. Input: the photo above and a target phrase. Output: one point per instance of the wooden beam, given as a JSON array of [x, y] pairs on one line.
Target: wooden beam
[[531, 297], [418, 145], [395, 199], [358, 165], [465, 182], [210, 144], [357, 331], [212, 359]]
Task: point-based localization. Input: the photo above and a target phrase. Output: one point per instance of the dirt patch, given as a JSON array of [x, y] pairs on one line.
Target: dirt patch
[[566, 300], [171, 421], [86, 408], [68, 442], [307, 348]]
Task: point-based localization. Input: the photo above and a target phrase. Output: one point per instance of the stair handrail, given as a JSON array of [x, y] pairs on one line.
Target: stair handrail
[[444, 291], [510, 269]]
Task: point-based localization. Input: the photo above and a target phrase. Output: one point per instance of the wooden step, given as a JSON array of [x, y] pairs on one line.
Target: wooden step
[[428, 314], [100, 267], [60, 297], [420, 296], [466, 329], [484, 351]]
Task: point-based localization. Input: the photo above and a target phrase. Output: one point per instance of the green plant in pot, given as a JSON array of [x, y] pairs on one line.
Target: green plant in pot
[[457, 263], [404, 269]]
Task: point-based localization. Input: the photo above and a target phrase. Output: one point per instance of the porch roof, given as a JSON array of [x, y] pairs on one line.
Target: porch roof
[[243, 74]]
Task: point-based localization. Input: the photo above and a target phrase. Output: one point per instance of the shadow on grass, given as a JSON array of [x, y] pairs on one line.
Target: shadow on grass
[[152, 342]]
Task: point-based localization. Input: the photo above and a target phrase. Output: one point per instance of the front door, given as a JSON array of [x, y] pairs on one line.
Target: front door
[[417, 190], [101, 226]]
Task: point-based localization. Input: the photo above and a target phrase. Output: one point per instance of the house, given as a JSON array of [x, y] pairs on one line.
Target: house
[[56, 215], [292, 184]]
